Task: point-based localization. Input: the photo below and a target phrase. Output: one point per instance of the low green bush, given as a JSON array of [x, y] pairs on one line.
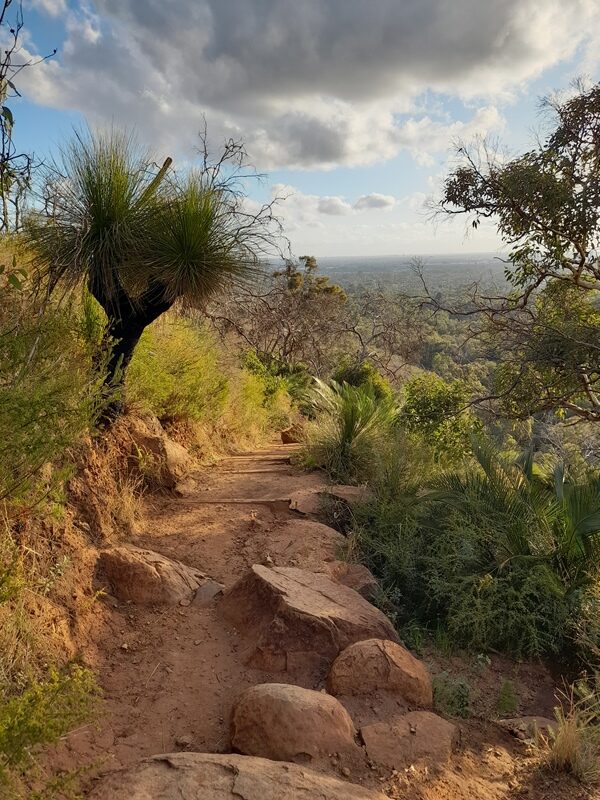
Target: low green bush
[[181, 373], [363, 374], [498, 555], [49, 393], [40, 714], [437, 411], [175, 373], [451, 696], [350, 433]]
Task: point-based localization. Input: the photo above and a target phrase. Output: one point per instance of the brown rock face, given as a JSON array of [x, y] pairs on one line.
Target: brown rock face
[[418, 736], [354, 576], [148, 578], [203, 776], [293, 618], [289, 723], [379, 665]]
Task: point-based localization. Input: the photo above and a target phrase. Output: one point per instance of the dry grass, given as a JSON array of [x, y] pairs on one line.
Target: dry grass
[[574, 746]]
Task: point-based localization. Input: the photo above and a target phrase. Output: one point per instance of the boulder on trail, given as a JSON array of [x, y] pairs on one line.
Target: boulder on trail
[[148, 578], [355, 576], [379, 665], [292, 618], [172, 460], [207, 776], [417, 736], [289, 723]]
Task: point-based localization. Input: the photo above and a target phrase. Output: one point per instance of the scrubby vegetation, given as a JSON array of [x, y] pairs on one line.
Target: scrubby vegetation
[[471, 416]]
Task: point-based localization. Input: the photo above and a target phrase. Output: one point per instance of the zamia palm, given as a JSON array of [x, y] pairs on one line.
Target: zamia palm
[[141, 238], [535, 517]]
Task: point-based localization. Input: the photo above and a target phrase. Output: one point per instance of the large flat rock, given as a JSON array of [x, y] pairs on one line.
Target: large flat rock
[[143, 576], [203, 776], [291, 618]]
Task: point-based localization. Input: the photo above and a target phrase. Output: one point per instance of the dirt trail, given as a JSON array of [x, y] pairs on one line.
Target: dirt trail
[[170, 675]]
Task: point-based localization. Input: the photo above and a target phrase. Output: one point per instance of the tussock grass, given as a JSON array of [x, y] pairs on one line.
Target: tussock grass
[[350, 434], [574, 746]]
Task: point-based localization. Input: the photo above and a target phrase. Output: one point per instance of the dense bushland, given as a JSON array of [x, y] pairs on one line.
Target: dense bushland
[[498, 552]]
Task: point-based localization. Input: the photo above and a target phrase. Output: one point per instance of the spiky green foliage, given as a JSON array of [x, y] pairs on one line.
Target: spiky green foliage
[[350, 434], [142, 239], [498, 555], [118, 224]]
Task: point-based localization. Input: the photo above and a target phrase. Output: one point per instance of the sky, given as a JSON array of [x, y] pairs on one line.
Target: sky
[[351, 108]]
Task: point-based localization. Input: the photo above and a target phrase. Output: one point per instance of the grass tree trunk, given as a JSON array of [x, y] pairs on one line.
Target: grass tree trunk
[[127, 320]]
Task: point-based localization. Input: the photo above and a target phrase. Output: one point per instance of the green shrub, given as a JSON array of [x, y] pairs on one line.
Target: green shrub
[[43, 712], [451, 696], [436, 411], [180, 373], [351, 431], [175, 373], [49, 393], [507, 702], [363, 375], [499, 556]]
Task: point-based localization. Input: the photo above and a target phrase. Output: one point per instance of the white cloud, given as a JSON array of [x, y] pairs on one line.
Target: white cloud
[[51, 7], [375, 201], [306, 84]]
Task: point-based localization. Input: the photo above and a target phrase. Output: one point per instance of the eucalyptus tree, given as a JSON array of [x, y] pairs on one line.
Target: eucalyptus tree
[[546, 206], [142, 238]]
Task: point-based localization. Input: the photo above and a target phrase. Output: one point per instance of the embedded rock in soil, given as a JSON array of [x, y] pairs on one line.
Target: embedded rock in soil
[[351, 495], [528, 727], [289, 723], [292, 618], [148, 578], [172, 460], [307, 501], [379, 665], [207, 593], [292, 435], [355, 576], [417, 736], [204, 776], [304, 543]]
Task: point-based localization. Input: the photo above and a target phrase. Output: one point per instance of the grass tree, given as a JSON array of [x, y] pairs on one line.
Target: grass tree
[[142, 238]]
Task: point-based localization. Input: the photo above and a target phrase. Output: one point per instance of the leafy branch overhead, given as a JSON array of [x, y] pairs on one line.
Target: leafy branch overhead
[[546, 205]]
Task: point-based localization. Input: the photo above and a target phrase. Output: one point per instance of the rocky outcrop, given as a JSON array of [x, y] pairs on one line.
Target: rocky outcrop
[[203, 776], [378, 665], [148, 578], [354, 576], [417, 736], [289, 723], [292, 618]]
